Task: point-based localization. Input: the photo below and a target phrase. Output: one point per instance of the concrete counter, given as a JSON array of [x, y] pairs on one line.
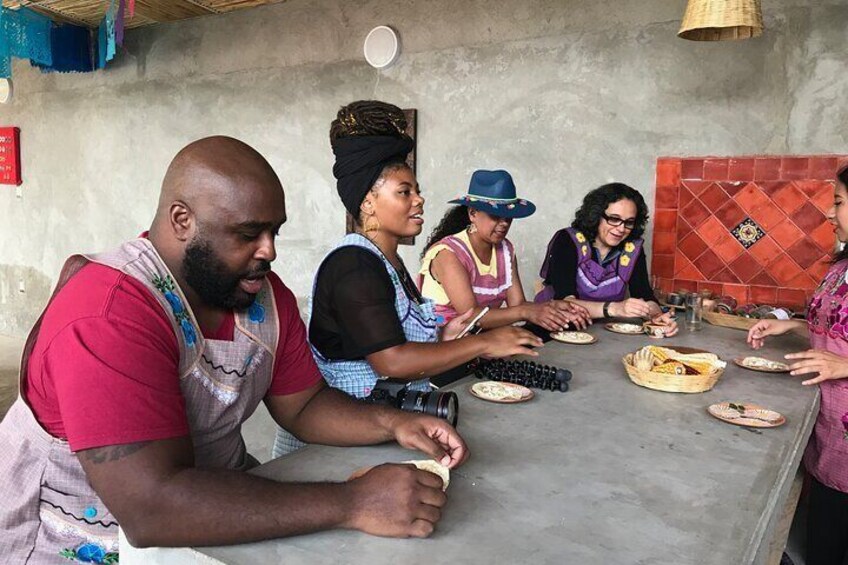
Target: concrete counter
[[607, 473]]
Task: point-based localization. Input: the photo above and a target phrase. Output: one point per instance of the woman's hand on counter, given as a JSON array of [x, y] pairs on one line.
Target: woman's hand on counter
[[829, 366], [668, 321], [766, 328]]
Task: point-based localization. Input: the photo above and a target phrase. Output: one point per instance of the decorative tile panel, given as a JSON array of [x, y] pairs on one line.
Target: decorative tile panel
[[752, 227], [748, 232]]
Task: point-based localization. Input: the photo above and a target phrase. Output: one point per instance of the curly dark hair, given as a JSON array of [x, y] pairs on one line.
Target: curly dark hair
[[589, 215], [454, 221], [368, 117], [842, 176], [371, 117]]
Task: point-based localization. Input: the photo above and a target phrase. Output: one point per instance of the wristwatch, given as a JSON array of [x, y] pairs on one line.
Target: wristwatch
[[606, 310]]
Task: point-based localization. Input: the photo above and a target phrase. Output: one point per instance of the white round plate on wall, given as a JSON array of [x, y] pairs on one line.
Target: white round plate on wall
[[382, 47], [5, 90]]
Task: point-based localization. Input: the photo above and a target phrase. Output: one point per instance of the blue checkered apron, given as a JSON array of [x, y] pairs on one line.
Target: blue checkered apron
[[357, 378]]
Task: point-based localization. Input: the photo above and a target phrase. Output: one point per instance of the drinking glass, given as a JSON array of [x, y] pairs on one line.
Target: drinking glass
[[694, 311]]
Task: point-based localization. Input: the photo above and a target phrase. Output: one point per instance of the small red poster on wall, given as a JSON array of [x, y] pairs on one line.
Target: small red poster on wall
[[10, 156]]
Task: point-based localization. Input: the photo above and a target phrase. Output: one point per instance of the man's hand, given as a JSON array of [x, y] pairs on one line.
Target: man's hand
[[433, 436], [828, 365], [396, 501]]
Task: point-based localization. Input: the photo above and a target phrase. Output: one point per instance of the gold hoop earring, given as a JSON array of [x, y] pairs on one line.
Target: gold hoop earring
[[471, 229], [371, 224]]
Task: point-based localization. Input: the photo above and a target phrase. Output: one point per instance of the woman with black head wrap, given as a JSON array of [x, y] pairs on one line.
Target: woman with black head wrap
[[367, 319]]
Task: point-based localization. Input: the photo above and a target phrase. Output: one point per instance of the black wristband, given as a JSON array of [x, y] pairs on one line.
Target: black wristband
[[606, 310]]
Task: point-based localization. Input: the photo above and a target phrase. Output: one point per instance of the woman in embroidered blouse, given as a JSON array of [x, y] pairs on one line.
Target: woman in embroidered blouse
[[826, 364], [367, 318], [480, 269], [599, 260]]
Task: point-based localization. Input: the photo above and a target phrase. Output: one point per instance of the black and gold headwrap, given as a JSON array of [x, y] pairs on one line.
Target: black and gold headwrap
[[366, 137]]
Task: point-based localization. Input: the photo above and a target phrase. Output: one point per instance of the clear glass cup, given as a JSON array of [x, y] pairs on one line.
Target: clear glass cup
[[694, 311]]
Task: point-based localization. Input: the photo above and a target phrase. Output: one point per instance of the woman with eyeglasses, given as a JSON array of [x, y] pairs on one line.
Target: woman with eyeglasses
[[599, 261]]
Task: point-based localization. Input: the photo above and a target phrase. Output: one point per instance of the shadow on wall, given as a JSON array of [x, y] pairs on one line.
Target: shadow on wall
[[24, 292]]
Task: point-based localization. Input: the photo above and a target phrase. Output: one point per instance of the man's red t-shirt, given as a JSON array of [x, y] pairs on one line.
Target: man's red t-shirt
[[104, 369]]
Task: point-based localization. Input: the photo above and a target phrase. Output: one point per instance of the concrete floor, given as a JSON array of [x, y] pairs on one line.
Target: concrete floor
[[259, 431]]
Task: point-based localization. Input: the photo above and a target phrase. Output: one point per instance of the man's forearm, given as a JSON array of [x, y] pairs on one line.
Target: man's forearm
[[353, 422], [216, 507]]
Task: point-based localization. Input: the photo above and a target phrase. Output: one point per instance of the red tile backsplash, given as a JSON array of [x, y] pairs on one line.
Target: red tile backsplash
[[808, 217], [795, 168], [665, 220], [786, 234], [692, 169], [715, 169], [701, 200], [713, 198], [692, 246], [695, 213], [730, 215], [740, 169], [766, 169], [789, 198]]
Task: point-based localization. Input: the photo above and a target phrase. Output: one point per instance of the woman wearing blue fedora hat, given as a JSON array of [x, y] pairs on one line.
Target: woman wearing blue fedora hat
[[367, 319], [478, 268], [598, 261]]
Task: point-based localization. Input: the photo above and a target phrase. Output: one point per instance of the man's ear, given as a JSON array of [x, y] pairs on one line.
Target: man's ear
[[181, 220]]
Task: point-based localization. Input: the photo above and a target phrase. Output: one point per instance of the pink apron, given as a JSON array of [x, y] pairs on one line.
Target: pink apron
[[826, 457]]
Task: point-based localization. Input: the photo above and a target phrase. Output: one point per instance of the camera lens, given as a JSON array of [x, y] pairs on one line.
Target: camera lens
[[443, 405]]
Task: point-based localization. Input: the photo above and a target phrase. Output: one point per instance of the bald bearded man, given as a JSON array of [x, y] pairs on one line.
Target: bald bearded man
[[136, 380]]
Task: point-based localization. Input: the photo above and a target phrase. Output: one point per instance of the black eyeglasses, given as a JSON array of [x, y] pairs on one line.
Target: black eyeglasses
[[615, 221]]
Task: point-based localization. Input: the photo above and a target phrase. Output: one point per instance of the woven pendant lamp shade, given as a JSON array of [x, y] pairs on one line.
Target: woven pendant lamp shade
[[720, 20]]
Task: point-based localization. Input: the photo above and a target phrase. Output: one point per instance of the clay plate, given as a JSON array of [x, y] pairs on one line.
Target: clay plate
[[758, 417], [563, 338], [477, 390], [616, 327], [784, 369]]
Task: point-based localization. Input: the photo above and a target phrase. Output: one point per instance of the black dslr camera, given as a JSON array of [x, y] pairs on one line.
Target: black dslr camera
[[443, 405]]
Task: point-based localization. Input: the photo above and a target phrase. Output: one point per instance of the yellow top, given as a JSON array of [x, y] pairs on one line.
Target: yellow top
[[433, 289]]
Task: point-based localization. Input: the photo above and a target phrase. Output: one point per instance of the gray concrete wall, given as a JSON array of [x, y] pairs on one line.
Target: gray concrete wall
[[566, 94]]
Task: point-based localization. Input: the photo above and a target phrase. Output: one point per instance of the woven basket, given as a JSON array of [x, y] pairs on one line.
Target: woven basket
[[730, 320], [719, 20], [672, 383]]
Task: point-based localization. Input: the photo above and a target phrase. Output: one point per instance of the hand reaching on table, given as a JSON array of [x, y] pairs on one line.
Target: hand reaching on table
[[509, 340], [829, 366], [553, 315], [668, 321], [432, 435], [579, 316], [630, 308], [765, 328]]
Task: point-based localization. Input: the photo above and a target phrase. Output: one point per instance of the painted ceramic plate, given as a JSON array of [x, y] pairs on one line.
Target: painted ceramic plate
[[761, 364], [746, 414], [624, 328], [507, 393], [577, 338]]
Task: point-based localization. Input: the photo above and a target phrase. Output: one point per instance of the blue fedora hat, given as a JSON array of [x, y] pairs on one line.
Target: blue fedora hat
[[493, 192]]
